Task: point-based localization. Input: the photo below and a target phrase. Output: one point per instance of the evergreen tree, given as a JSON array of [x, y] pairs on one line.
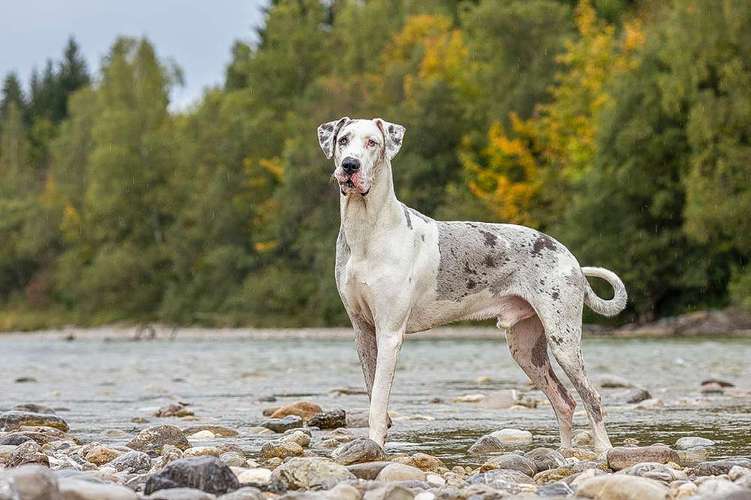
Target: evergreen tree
[[12, 94]]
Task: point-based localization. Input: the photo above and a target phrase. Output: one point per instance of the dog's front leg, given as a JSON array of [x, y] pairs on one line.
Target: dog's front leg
[[389, 344]]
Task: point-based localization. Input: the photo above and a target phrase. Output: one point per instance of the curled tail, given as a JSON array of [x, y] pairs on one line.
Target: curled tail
[[601, 306]]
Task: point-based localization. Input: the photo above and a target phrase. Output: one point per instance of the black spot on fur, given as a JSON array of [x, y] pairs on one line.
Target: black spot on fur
[[555, 295], [540, 352], [490, 238], [489, 261], [542, 242], [471, 284], [406, 215]]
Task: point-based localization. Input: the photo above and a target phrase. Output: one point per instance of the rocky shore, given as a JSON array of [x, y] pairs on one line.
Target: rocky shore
[[321, 453]]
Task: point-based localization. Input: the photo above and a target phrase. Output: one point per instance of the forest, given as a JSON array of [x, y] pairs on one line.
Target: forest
[[620, 127]]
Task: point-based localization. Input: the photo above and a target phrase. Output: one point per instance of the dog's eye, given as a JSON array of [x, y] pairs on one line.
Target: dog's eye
[[371, 143], [343, 141]]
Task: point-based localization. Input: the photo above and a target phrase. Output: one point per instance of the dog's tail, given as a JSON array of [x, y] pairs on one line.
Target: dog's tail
[[599, 305]]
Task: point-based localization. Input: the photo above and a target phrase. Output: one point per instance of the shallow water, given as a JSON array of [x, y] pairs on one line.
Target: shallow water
[[100, 383]]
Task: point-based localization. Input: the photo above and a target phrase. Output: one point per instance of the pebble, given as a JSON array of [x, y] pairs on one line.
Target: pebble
[[152, 439], [621, 457], [650, 404], [13, 420], [329, 420], [546, 458], [389, 492], [621, 487], [78, 489], [608, 381], [283, 424], [233, 459], [484, 445], [689, 442], [28, 482], [717, 467], [28, 452], [280, 448], [244, 493], [582, 438], [512, 437], [308, 473], [508, 481], [656, 471], [400, 472], [174, 410], [500, 400], [257, 476], [202, 451], [426, 462], [511, 461], [207, 474], [34, 408], [99, 454], [367, 470], [302, 409], [181, 494], [215, 430], [131, 462], [470, 398], [358, 450]]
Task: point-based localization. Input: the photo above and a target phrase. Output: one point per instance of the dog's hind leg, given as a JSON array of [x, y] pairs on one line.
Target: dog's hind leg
[[528, 346], [567, 352]]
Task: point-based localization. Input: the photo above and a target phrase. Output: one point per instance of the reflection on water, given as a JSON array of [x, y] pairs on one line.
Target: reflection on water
[[102, 385]]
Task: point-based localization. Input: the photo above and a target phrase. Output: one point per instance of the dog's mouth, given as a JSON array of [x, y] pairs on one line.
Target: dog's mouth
[[352, 184]]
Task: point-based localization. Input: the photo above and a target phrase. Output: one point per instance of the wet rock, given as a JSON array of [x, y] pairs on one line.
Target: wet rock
[[621, 457], [310, 473], [693, 456], [181, 494], [28, 482], [28, 453], [500, 400], [400, 472], [555, 474], [14, 420], [650, 404], [511, 461], [258, 476], [512, 437], [34, 408], [174, 410], [153, 439], [329, 420], [201, 436], [656, 471], [131, 462], [303, 409], [216, 430], [99, 454], [546, 458], [426, 462], [510, 481], [689, 442], [558, 489], [582, 438], [281, 449], [609, 381], [202, 451], [484, 445], [470, 398], [717, 467], [717, 381], [358, 450], [207, 474], [367, 470], [298, 437], [389, 492], [245, 493], [621, 487], [712, 388], [14, 439], [633, 395], [283, 424]]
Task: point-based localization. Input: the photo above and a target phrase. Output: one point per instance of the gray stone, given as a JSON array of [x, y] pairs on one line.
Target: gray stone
[[513, 437], [283, 424], [233, 459], [281, 449], [656, 471], [484, 445], [546, 458], [357, 451], [131, 462], [621, 487], [609, 381], [400, 472], [78, 489], [689, 442], [245, 493], [332, 419], [389, 492], [29, 482], [367, 470], [14, 439], [511, 461], [152, 439], [717, 467], [181, 494], [309, 473], [14, 420], [28, 452], [34, 408], [621, 457], [208, 474], [556, 489], [502, 479]]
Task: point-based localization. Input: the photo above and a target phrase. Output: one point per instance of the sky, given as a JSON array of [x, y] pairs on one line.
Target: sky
[[196, 34]]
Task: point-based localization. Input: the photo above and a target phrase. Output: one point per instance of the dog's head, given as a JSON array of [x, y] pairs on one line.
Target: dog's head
[[359, 148]]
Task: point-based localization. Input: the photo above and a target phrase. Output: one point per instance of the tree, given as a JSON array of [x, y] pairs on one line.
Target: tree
[[12, 94]]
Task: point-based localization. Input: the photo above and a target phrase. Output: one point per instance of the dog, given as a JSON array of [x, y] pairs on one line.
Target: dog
[[399, 271]]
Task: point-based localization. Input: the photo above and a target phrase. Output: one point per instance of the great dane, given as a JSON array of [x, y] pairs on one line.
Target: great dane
[[399, 271]]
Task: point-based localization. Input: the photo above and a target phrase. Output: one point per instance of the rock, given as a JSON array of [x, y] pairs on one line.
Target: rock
[[720, 382], [100, 455], [233, 458], [649, 404], [511, 461], [281, 449], [577, 479], [257, 476], [298, 437], [609, 381], [367, 470], [500, 400], [426, 462], [217, 430], [14, 420], [310, 473], [181, 494], [688, 442], [131, 462], [470, 398], [245, 493], [29, 482], [174, 410], [509, 481], [34, 408], [546, 458], [621, 487], [202, 451], [717, 467], [656, 471], [512, 437], [207, 474], [329, 420], [712, 388], [14, 439], [151, 440], [283, 424], [28, 453], [78, 489], [582, 438], [303, 409], [357, 418], [719, 488], [358, 450], [632, 396], [389, 492], [400, 472], [484, 445], [201, 435], [555, 474], [621, 457], [693, 456], [558, 489]]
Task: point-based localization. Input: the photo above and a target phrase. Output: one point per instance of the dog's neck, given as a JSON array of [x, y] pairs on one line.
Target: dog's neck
[[363, 216]]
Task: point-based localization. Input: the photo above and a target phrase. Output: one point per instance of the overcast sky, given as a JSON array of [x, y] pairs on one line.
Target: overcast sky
[[197, 34]]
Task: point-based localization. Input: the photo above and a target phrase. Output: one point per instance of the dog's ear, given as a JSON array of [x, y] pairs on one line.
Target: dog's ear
[[327, 133], [393, 134]]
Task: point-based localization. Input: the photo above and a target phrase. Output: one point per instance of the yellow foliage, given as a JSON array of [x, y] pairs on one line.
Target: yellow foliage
[[71, 222]]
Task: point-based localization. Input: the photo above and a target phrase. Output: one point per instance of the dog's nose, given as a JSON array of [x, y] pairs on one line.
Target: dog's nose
[[350, 165]]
